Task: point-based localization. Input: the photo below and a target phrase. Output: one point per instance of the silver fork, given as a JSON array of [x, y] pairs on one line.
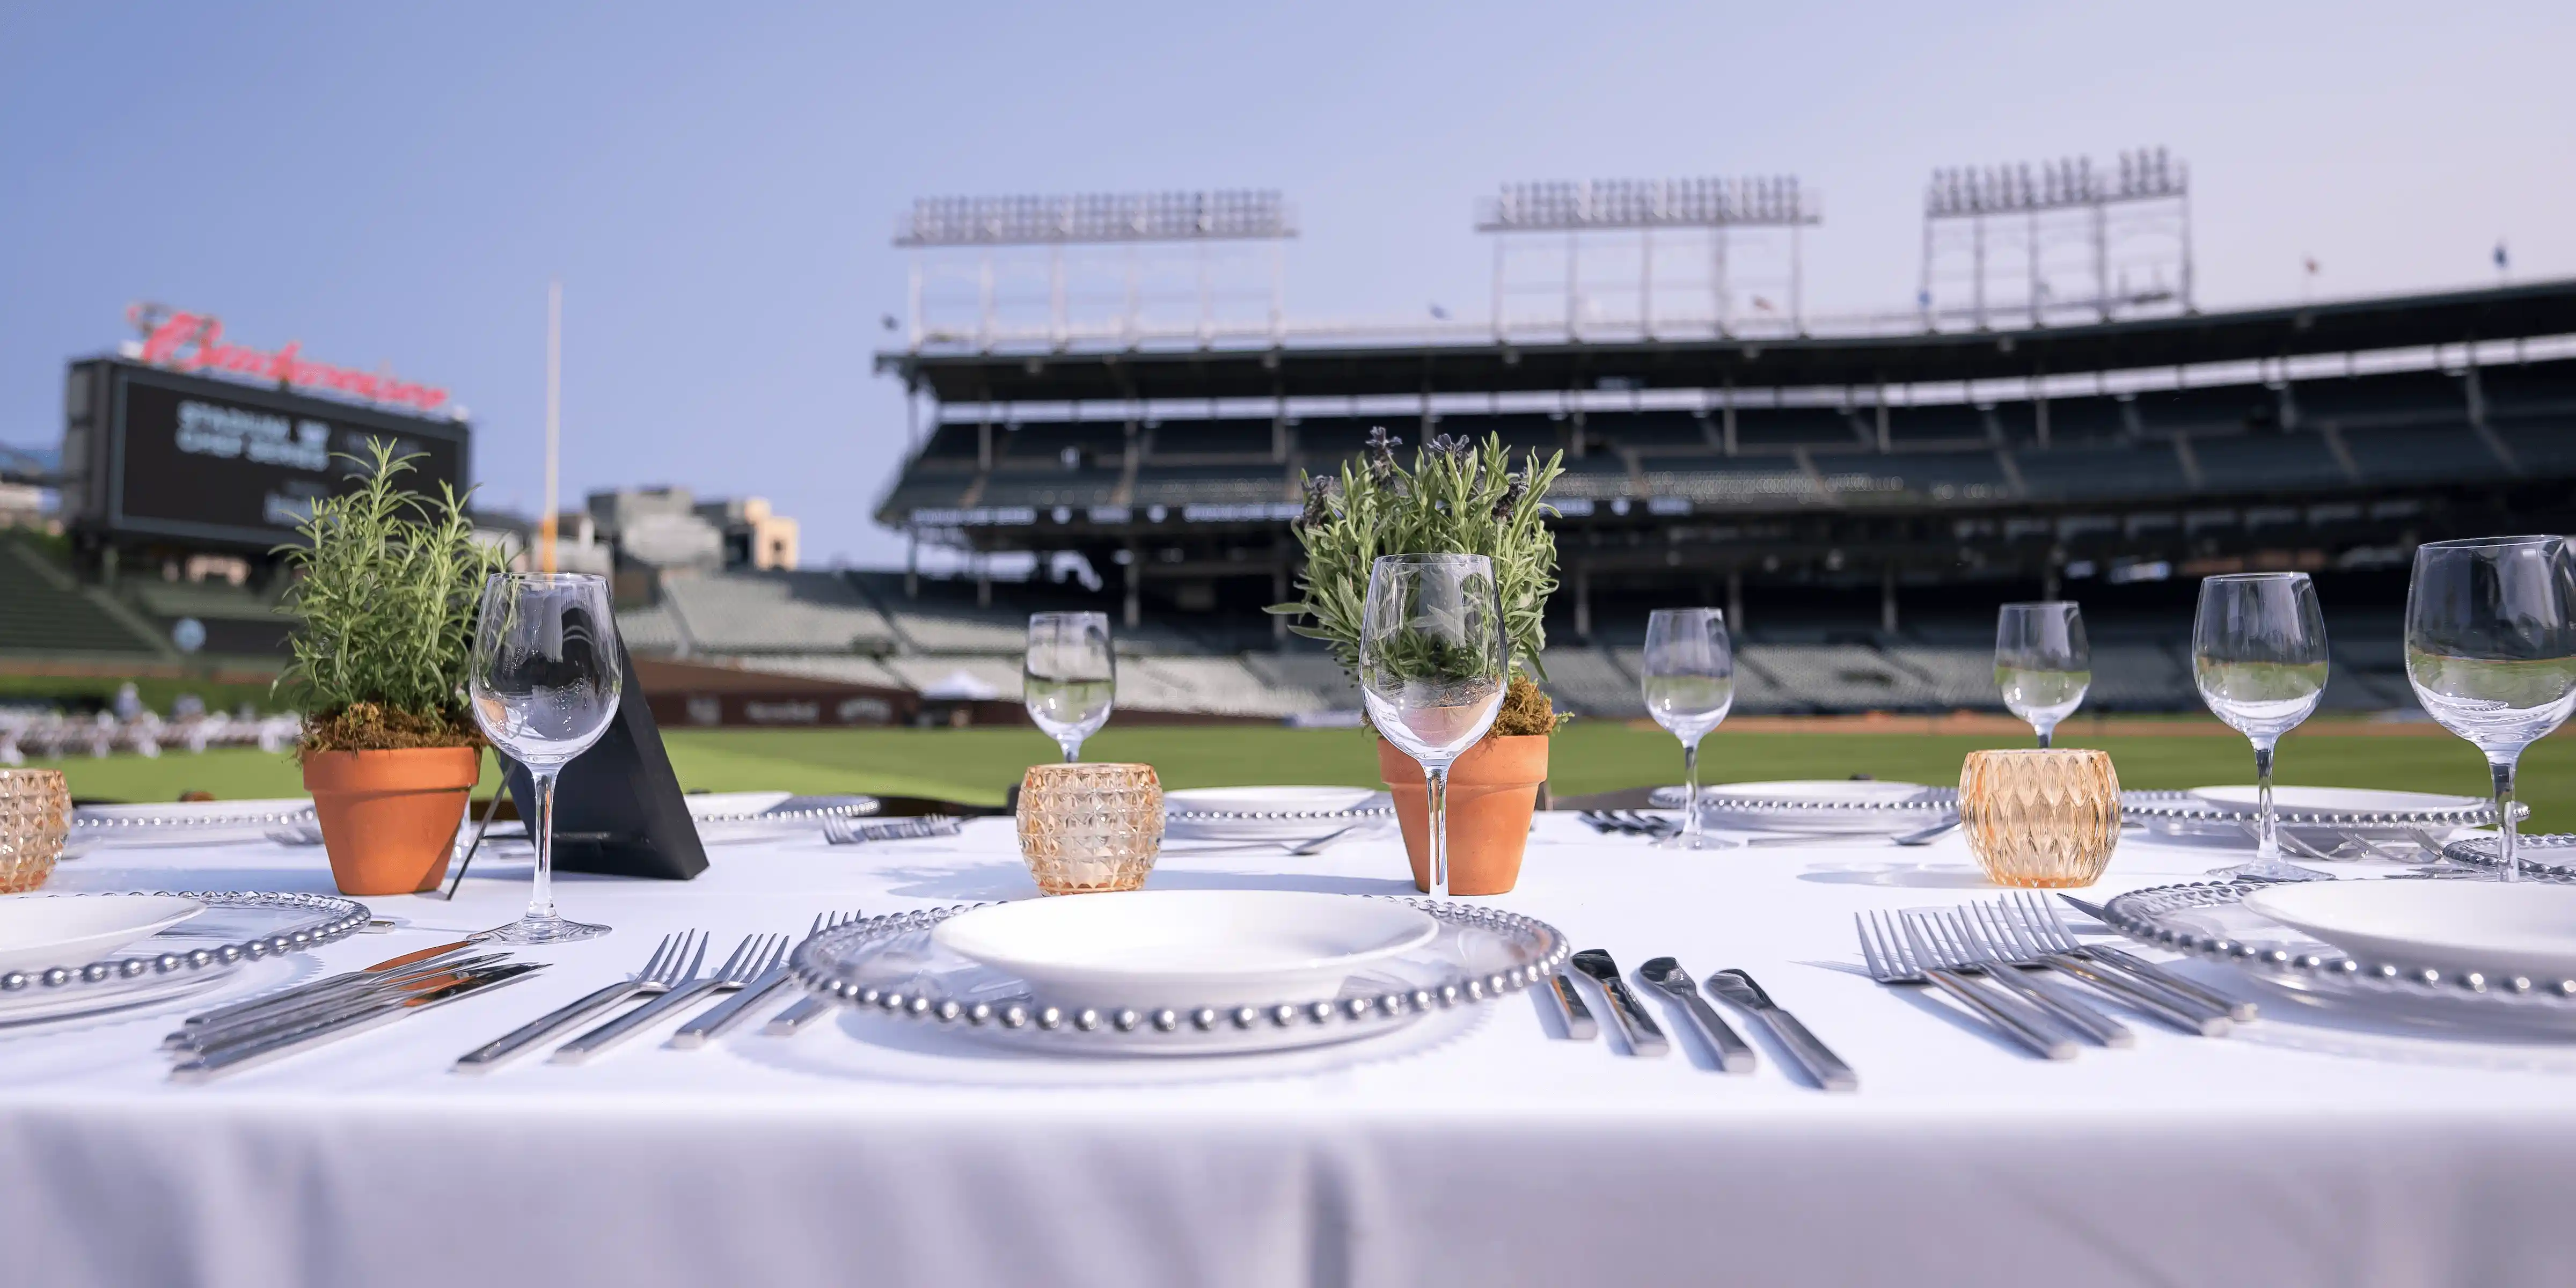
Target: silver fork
[[1896, 956], [2020, 947], [756, 954], [1964, 946], [2041, 917], [676, 959], [721, 1018]]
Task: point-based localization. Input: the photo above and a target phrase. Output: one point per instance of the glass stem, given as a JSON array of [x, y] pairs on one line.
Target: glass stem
[[2267, 835], [1436, 783], [2508, 851], [541, 900], [1072, 748], [1690, 793], [2046, 732]]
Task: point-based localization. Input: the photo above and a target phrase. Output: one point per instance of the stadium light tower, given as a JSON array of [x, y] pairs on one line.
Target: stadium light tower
[[1718, 207], [991, 226], [2066, 202]]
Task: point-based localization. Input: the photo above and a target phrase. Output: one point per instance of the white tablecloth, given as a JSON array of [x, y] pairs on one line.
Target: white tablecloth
[[875, 1151]]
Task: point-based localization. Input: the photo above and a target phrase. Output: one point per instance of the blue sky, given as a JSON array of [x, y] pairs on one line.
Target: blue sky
[[716, 186]]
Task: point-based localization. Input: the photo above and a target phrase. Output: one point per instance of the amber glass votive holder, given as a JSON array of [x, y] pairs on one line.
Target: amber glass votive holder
[[35, 817], [2040, 816], [1087, 828]]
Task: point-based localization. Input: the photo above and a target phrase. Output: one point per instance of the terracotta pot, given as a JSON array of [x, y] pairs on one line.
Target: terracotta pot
[[389, 818], [1492, 791]]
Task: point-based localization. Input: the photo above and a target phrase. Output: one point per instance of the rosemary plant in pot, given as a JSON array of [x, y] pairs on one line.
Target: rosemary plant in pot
[[384, 597], [1458, 497]]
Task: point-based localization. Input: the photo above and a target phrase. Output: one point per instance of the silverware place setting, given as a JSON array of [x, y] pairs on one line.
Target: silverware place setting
[[756, 956]]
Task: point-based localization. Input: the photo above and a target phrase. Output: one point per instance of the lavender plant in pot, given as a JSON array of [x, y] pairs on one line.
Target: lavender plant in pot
[[384, 596], [1457, 497]]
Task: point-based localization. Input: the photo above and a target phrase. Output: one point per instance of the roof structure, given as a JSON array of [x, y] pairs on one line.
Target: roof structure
[[1451, 367]]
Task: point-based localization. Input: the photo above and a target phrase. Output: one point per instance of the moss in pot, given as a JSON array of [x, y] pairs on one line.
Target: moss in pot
[[1457, 497], [386, 586]]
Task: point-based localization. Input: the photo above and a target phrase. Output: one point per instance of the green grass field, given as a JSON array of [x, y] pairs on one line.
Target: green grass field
[[976, 765]]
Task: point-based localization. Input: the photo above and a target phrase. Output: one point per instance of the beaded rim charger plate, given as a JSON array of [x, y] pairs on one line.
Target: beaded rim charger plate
[[198, 953], [892, 964], [2187, 816], [2210, 920], [1822, 805], [2550, 856]]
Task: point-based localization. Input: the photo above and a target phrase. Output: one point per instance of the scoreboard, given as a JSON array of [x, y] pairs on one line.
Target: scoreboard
[[155, 454]]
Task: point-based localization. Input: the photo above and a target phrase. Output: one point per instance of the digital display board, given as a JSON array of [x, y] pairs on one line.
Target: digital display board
[[212, 462]]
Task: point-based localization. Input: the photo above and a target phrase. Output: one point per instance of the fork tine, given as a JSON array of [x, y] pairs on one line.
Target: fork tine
[[1988, 925], [653, 963], [1868, 951]]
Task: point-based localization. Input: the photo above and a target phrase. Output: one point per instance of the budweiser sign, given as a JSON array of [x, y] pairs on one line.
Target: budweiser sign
[[195, 342]]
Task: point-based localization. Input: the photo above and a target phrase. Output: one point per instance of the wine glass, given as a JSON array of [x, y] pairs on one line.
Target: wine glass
[[1689, 679], [2042, 662], [1433, 667], [2258, 655], [1069, 677], [544, 682], [2491, 652]]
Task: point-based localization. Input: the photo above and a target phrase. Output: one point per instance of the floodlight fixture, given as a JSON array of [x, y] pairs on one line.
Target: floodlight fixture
[[2069, 199], [1096, 218], [1764, 201], [2146, 174]]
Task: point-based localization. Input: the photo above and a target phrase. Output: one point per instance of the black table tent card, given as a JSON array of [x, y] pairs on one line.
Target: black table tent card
[[618, 807]]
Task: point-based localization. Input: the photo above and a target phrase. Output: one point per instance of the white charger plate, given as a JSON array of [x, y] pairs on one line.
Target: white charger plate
[[1162, 948], [2333, 800], [38, 931], [2325, 819], [1261, 813], [1815, 805], [2526, 929]]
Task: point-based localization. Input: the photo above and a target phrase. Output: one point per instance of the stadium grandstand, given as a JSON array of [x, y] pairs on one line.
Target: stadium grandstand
[[1858, 499]]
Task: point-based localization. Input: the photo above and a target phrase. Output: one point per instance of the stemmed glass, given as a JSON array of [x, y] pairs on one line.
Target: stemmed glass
[[1689, 679], [1069, 677], [2042, 662], [1433, 667], [2258, 654], [2491, 652], [544, 681]]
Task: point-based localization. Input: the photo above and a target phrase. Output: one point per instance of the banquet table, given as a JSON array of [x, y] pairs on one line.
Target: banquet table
[[1474, 1147]]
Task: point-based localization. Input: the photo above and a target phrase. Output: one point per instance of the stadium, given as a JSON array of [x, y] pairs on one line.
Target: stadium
[[2054, 417]]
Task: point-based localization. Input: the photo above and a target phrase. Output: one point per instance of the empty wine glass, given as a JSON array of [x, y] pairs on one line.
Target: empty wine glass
[[1433, 667], [544, 682], [1070, 676], [2042, 662], [2258, 655], [2491, 652], [1689, 678]]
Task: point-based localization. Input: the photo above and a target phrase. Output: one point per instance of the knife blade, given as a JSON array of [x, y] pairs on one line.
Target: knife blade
[[336, 983], [378, 1013], [1821, 1064], [409, 980], [1644, 1038]]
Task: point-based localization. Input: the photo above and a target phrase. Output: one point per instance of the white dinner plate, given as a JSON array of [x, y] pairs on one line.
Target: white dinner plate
[[2334, 800], [1259, 813], [1814, 805], [2499, 929], [38, 932], [1186, 948]]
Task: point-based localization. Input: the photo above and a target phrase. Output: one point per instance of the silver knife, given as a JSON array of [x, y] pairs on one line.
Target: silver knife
[[788, 1023], [410, 979], [1666, 976], [1579, 1024], [243, 1055], [1819, 1060], [1634, 1024], [334, 984]]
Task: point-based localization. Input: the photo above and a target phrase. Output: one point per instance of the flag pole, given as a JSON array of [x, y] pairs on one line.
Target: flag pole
[[554, 423]]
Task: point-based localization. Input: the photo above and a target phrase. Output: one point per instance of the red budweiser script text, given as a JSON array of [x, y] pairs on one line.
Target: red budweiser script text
[[195, 342]]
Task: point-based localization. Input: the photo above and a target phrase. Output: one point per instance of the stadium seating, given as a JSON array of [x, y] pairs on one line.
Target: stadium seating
[[1598, 476], [952, 441], [759, 612], [1778, 429], [47, 612], [651, 629], [1178, 485], [2420, 455], [1048, 485], [1917, 477], [1653, 429], [2396, 398], [1212, 438], [1954, 425], [2528, 388], [1093, 442], [2227, 409], [2268, 462], [1731, 480], [2100, 473]]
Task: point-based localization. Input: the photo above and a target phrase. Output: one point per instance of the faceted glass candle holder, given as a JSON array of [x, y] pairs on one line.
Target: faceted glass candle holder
[[1086, 828], [35, 816], [2040, 817]]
